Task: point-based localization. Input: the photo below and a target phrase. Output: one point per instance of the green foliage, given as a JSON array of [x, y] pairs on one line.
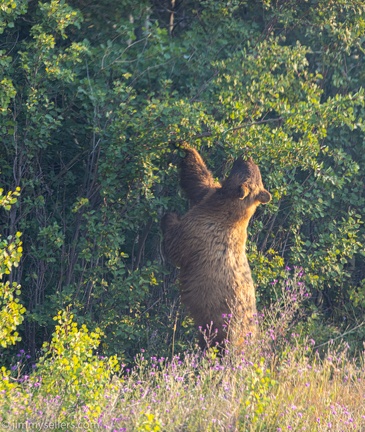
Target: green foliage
[[260, 384], [95, 100], [149, 423], [10, 10], [70, 367], [11, 310]]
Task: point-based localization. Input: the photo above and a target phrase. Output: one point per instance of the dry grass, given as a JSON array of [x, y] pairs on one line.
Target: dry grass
[[277, 383]]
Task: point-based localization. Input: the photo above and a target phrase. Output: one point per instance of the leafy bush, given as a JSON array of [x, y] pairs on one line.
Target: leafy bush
[[70, 368], [11, 310], [95, 101]]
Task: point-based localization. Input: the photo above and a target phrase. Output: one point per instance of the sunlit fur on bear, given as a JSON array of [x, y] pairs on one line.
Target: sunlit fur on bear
[[208, 245]]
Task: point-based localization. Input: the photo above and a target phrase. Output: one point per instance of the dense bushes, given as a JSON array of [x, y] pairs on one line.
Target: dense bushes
[[94, 101]]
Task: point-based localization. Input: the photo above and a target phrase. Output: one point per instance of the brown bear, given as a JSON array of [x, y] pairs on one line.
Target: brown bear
[[208, 245]]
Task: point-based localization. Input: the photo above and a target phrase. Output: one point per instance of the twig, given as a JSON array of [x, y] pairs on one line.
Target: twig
[[211, 133], [342, 335]]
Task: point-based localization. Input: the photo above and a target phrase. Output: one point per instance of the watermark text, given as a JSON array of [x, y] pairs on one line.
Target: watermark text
[[48, 425]]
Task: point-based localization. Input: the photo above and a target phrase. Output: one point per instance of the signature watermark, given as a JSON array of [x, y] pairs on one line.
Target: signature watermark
[[48, 425]]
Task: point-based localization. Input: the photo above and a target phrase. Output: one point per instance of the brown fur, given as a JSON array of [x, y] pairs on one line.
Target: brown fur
[[208, 244]]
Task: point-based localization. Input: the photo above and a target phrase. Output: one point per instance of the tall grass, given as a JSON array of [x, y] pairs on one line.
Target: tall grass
[[278, 382]]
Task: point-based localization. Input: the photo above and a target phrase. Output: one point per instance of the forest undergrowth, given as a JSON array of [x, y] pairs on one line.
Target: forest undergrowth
[[281, 381]]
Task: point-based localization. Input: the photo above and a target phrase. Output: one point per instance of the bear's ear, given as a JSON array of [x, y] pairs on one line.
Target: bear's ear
[[195, 178], [243, 191], [264, 197]]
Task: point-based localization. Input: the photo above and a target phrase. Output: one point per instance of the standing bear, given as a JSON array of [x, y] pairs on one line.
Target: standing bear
[[208, 245]]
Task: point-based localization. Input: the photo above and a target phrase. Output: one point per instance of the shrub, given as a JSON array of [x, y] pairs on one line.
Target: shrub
[[11, 310]]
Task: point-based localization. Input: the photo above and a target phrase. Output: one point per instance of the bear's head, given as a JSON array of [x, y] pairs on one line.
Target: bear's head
[[245, 183], [243, 189]]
